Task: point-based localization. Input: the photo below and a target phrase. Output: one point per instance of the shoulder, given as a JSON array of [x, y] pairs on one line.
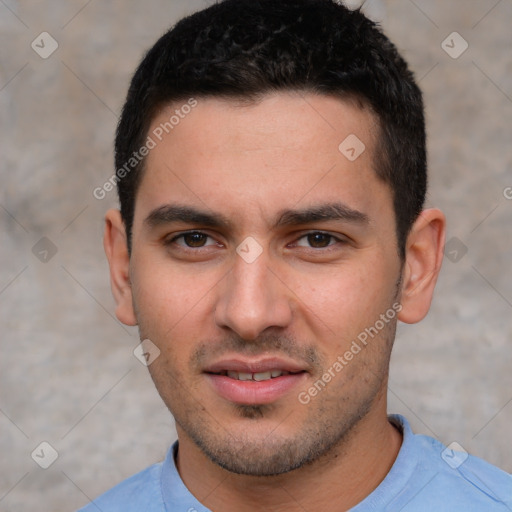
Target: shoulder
[[473, 478], [139, 492], [447, 477]]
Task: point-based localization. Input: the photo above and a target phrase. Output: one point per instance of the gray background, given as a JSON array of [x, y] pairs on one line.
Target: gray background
[[68, 374]]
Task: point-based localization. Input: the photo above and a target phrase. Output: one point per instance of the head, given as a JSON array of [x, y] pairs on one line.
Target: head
[[273, 226]]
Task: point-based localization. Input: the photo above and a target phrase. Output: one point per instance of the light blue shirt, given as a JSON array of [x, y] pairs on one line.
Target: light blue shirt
[[426, 477]]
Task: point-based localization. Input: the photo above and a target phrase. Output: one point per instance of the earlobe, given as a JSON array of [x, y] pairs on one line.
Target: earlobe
[[423, 259], [116, 249]]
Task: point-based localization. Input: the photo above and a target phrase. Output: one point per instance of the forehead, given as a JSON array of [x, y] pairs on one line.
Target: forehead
[[245, 159]]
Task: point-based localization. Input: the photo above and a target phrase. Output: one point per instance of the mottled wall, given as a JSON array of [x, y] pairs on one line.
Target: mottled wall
[[67, 372]]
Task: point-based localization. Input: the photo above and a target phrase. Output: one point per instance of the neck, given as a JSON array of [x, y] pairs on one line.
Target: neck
[[340, 479]]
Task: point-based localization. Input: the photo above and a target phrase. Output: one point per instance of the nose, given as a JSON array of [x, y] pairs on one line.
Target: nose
[[253, 298]]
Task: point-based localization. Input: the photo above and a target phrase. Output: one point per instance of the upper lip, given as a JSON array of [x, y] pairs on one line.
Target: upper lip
[[255, 365]]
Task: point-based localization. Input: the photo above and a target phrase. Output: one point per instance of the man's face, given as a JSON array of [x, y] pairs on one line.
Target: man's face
[[292, 255]]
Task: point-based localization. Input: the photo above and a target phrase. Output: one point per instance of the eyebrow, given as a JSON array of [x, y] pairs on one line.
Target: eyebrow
[[170, 213], [322, 212]]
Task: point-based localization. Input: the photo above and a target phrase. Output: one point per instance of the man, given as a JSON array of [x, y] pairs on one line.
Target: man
[[271, 170]]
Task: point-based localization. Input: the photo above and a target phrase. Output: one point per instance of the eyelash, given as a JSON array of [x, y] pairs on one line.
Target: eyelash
[[173, 240], [182, 235]]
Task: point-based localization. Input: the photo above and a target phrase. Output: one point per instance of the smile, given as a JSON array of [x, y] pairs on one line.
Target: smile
[[258, 377], [252, 382]]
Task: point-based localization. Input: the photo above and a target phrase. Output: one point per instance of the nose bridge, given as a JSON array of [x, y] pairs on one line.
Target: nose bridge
[[252, 298], [249, 280]]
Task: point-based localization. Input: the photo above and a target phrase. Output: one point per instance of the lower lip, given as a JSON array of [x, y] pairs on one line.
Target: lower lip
[[250, 392]]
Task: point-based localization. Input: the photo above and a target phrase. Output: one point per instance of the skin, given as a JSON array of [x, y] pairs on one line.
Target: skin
[[306, 304]]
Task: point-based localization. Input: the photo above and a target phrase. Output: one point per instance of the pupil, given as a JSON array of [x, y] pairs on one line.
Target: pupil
[[319, 240], [195, 239]]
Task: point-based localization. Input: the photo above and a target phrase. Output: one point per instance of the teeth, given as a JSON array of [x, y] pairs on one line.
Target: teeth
[[272, 374], [261, 376]]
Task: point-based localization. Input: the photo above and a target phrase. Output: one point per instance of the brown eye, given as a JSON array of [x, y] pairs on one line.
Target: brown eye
[[319, 240], [195, 239]]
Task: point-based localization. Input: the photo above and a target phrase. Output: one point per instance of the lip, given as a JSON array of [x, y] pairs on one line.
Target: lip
[[254, 392], [255, 365]]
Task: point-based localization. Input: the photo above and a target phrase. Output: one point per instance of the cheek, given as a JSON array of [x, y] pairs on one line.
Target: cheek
[[345, 300], [165, 295]]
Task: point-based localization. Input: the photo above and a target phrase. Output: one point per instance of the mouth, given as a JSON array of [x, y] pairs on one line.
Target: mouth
[[254, 382], [258, 376]]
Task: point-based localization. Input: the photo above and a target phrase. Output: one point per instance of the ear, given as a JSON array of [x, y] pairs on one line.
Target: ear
[[116, 248], [423, 258]]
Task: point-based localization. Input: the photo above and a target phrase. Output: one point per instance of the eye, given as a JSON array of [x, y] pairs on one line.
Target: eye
[[192, 240], [317, 240]]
